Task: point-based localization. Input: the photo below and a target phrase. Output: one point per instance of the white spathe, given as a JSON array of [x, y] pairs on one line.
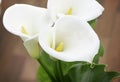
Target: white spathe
[[84, 9], [33, 47], [26, 21], [80, 42], [33, 19]]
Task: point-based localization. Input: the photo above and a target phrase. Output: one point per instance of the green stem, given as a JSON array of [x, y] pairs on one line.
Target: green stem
[[58, 71], [47, 71]]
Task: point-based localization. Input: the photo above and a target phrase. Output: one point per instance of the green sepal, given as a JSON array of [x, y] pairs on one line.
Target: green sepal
[[84, 73], [92, 23]]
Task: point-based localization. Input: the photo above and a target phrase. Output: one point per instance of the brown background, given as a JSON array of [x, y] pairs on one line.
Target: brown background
[[17, 66]]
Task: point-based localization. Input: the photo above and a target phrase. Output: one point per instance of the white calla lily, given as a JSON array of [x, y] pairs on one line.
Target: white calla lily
[[71, 39], [26, 21], [84, 9]]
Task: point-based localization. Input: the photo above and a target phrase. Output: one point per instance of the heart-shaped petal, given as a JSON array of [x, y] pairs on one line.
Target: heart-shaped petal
[[71, 39], [84, 9], [25, 20]]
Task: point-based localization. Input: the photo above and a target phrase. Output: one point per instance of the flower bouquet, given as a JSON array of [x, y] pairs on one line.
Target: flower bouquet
[[62, 39]]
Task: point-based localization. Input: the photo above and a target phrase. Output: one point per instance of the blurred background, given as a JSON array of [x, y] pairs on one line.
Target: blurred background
[[17, 66]]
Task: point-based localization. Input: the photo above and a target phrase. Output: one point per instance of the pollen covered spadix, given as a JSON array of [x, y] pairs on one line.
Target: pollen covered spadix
[[23, 30], [60, 47]]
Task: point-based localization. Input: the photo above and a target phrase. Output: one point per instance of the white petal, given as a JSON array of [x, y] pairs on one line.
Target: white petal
[[84, 9], [34, 19], [81, 43]]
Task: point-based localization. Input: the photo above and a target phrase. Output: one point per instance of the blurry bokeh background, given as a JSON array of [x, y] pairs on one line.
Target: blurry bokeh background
[[17, 66]]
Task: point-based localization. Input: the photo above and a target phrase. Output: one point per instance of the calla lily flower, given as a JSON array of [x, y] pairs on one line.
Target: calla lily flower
[[27, 21], [71, 39], [84, 9]]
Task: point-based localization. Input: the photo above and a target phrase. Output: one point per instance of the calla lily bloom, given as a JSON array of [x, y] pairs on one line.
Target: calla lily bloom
[[71, 39], [84, 9], [27, 21]]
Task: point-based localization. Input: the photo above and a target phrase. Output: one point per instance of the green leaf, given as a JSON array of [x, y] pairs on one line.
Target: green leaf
[[42, 76], [84, 73], [46, 66], [66, 66], [101, 50], [92, 23], [48, 69], [100, 54]]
